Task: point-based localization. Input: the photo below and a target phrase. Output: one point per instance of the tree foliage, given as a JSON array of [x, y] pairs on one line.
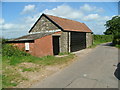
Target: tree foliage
[[113, 26]]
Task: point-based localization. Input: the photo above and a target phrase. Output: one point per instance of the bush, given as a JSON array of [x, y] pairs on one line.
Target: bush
[[10, 50], [116, 39], [4, 40], [98, 39], [103, 38]]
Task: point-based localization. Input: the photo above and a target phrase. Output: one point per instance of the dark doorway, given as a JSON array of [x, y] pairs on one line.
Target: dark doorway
[[56, 48], [78, 41]]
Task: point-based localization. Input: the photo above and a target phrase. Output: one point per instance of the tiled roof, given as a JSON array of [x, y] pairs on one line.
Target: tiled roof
[[69, 25]]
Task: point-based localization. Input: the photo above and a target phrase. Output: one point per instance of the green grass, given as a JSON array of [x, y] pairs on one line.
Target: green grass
[[10, 76], [65, 53], [98, 39], [28, 69], [118, 46], [10, 72], [12, 58], [46, 60]]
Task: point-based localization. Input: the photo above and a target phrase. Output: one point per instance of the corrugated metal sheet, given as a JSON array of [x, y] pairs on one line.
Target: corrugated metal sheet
[[31, 37]]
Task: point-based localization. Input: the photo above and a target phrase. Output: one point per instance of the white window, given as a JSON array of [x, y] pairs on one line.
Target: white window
[[27, 46]]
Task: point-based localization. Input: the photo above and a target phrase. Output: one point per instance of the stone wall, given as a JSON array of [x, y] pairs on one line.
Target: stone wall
[[44, 25], [74, 41], [89, 39], [64, 42]]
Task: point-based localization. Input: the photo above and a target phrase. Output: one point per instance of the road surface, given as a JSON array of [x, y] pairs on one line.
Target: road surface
[[95, 70]]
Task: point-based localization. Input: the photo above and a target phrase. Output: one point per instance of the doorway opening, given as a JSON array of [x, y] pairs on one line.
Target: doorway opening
[[56, 45]]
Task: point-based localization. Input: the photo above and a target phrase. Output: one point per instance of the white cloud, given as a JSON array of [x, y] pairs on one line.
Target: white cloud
[[28, 9], [105, 18], [91, 17], [97, 28], [88, 8], [13, 30], [95, 17], [95, 20], [8, 26], [31, 19], [98, 10], [2, 20], [64, 11]]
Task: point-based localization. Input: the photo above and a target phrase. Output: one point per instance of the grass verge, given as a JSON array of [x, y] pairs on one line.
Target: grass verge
[[118, 46], [12, 67], [98, 39]]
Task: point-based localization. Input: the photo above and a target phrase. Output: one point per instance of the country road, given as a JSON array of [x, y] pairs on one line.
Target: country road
[[94, 70]]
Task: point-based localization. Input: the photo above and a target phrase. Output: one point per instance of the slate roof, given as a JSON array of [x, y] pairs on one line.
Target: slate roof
[[69, 25], [31, 37]]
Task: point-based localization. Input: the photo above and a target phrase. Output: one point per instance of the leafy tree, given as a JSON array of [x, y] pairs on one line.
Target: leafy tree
[[113, 26]]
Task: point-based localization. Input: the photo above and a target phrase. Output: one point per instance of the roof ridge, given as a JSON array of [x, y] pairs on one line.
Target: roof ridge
[[62, 18], [65, 23]]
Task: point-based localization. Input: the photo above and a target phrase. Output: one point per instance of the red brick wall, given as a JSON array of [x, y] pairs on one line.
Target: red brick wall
[[43, 46], [40, 47]]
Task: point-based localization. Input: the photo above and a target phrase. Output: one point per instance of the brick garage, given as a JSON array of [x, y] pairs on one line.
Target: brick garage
[[51, 35]]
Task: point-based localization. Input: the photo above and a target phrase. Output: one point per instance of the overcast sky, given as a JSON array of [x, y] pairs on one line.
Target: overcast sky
[[18, 18]]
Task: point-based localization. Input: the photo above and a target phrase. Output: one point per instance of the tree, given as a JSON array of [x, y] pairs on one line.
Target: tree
[[113, 26]]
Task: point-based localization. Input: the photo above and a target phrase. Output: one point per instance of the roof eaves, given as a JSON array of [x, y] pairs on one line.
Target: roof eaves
[[76, 30], [87, 27]]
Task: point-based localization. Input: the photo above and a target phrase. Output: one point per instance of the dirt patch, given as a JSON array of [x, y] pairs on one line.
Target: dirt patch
[[40, 74], [28, 65]]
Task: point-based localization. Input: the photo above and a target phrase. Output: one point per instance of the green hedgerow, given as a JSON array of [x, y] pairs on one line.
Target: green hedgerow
[[10, 50]]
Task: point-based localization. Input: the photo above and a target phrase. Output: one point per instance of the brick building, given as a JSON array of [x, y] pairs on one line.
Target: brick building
[[51, 35]]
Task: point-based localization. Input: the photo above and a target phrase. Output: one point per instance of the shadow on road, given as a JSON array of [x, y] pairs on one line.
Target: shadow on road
[[108, 44]]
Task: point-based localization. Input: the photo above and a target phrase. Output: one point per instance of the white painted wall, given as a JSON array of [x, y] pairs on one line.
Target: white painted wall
[[27, 47]]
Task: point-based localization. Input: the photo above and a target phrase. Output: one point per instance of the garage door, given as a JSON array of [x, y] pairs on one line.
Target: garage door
[[78, 41]]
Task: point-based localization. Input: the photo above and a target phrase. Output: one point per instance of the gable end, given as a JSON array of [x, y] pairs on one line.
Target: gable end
[[44, 24]]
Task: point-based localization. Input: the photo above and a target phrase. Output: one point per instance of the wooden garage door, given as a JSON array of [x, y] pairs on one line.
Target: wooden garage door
[[78, 41]]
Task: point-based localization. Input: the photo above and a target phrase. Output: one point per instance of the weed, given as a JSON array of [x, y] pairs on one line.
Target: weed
[[65, 53], [27, 69]]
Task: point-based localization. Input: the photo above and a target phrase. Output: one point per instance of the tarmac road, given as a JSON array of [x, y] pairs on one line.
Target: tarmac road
[[95, 70]]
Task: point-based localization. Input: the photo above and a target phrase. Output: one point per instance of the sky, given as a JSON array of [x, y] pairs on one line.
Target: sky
[[18, 17]]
